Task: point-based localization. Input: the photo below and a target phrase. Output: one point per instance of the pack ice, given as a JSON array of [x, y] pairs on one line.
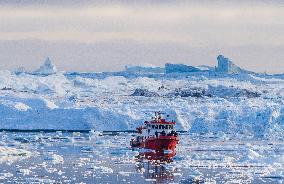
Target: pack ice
[[204, 100]]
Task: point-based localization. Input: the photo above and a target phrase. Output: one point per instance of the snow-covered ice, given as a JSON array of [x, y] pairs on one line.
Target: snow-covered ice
[[245, 105], [10, 155]]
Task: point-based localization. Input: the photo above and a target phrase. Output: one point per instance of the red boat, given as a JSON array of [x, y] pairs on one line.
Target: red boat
[[157, 136]]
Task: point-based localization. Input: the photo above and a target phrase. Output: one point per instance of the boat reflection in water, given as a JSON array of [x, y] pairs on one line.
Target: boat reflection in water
[[155, 169], [156, 143]]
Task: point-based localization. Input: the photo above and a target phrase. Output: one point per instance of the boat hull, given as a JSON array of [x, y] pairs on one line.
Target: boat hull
[[162, 146]]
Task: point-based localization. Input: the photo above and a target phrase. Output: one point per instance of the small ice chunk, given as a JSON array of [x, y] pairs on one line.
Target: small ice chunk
[[253, 155], [21, 107], [56, 159], [102, 169], [25, 171]]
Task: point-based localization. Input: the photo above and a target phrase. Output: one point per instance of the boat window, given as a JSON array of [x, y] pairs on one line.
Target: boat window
[[161, 127], [171, 126], [156, 126], [166, 126]]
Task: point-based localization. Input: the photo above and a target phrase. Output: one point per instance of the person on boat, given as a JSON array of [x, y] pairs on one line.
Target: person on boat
[[163, 133], [156, 133], [175, 134]]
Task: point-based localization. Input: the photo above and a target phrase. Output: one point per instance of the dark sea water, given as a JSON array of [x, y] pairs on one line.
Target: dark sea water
[[88, 158]]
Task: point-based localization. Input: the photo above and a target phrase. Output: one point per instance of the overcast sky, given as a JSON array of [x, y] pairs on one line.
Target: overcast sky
[[106, 35]]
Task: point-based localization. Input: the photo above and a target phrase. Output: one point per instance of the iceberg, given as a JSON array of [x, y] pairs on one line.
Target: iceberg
[[180, 68], [19, 70], [144, 69], [47, 68], [225, 65], [247, 105]]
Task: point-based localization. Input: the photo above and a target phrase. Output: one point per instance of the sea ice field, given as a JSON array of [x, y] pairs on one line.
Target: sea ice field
[[206, 101], [89, 158]]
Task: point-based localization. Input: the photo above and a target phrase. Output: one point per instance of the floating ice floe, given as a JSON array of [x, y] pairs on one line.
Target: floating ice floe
[[10, 155], [22, 107], [54, 158], [102, 169], [25, 171], [251, 156], [5, 175]]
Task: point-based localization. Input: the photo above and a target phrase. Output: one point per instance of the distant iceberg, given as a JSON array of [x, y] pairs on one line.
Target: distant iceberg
[[180, 68], [229, 106], [144, 69], [19, 70], [225, 65], [47, 68]]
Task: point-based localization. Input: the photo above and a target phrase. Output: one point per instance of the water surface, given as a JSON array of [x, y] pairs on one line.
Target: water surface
[[89, 158]]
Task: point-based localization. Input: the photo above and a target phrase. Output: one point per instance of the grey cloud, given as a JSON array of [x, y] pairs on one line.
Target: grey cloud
[[143, 31]]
